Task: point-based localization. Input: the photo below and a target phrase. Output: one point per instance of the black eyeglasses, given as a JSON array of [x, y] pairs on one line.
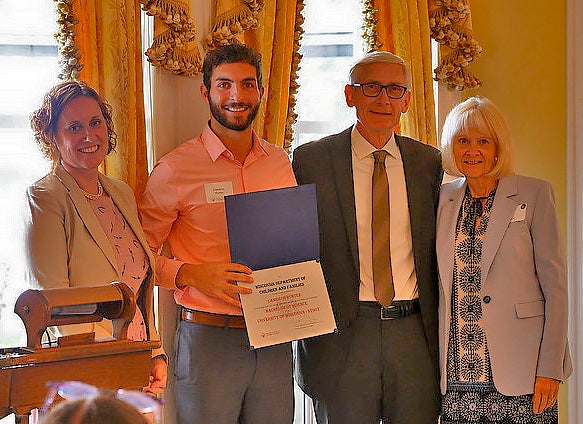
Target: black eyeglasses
[[372, 89]]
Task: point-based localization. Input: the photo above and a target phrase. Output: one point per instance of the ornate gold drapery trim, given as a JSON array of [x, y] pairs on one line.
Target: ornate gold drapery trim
[[450, 26], [69, 57], [369, 27], [292, 116], [231, 24], [174, 47]]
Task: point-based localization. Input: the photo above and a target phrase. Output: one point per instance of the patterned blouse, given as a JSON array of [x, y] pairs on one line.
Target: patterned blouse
[[132, 260], [468, 358]]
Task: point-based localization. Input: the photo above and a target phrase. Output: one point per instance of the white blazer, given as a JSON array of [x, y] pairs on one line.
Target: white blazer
[[524, 283], [67, 247]]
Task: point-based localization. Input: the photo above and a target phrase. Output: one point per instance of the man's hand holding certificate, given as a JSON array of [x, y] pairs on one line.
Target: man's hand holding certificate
[[275, 233]]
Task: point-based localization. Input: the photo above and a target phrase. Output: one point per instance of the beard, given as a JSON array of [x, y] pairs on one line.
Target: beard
[[233, 124]]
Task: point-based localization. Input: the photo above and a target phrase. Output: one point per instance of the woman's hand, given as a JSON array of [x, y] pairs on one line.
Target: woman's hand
[[545, 394], [158, 376]]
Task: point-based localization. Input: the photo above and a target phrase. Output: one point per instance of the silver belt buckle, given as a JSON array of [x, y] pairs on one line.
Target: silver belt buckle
[[386, 311]]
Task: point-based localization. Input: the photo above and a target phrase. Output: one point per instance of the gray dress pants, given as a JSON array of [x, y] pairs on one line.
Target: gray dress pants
[[220, 380], [388, 377]]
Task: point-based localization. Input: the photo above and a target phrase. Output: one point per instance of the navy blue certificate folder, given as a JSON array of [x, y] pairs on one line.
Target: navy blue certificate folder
[[272, 228]]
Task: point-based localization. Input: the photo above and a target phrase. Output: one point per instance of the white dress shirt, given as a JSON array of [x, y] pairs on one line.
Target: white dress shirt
[[402, 261]]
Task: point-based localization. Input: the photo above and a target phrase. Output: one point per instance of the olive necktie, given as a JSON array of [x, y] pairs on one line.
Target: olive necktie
[[384, 290]]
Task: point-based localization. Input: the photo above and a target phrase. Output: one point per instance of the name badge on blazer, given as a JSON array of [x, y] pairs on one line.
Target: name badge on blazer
[[216, 192], [519, 213]]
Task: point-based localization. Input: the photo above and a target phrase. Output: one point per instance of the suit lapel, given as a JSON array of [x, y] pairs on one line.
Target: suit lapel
[[446, 224], [341, 160], [500, 217], [87, 215]]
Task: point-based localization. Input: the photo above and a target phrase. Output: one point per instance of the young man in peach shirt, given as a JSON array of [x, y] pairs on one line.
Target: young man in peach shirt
[[219, 379]]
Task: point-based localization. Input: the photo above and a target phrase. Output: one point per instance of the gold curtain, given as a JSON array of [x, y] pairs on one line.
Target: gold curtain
[[402, 27], [274, 29], [108, 34], [276, 39]]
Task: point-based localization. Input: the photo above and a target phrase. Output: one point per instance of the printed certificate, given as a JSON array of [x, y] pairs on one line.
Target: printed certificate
[[288, 302], [275, 233]]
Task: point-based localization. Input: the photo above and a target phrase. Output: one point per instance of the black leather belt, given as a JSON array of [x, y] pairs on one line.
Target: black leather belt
[[397, 309], [214, 320]]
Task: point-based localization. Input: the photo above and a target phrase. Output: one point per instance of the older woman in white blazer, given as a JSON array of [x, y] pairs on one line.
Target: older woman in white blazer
[[83, 227], [503, 281]]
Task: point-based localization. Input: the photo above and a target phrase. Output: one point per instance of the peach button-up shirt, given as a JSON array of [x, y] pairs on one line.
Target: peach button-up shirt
[[183, 205]]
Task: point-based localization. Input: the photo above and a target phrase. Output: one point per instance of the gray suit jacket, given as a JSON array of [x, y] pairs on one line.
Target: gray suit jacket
[[524, 276], [67, 247], [328, 164]]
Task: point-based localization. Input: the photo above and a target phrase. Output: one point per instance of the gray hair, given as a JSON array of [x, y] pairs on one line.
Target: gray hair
[[380, 57]]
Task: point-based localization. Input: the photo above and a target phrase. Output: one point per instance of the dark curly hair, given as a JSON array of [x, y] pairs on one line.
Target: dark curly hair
[[44, 120], [230, 53]]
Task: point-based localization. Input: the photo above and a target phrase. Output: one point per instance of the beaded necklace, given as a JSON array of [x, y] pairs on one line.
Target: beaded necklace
[[94, 196]]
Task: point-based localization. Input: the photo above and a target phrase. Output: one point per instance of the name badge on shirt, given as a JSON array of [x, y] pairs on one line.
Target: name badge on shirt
[[519, 213], [216, 192]]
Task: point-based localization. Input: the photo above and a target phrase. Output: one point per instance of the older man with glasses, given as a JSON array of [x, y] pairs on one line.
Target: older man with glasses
[[377, 199]]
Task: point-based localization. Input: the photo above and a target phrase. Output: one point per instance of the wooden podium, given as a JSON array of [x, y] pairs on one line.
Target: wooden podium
[[111, 363]]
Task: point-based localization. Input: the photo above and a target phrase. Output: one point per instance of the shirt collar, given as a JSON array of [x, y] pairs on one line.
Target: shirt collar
[[216, 148], [362, 148]]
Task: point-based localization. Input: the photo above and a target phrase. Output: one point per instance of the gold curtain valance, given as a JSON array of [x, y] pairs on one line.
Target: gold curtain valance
[[233, 18], [174, 47], [451, 26]]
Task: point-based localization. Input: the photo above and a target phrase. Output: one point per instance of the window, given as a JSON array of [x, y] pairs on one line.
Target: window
[[28, 54], [330, 45]]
